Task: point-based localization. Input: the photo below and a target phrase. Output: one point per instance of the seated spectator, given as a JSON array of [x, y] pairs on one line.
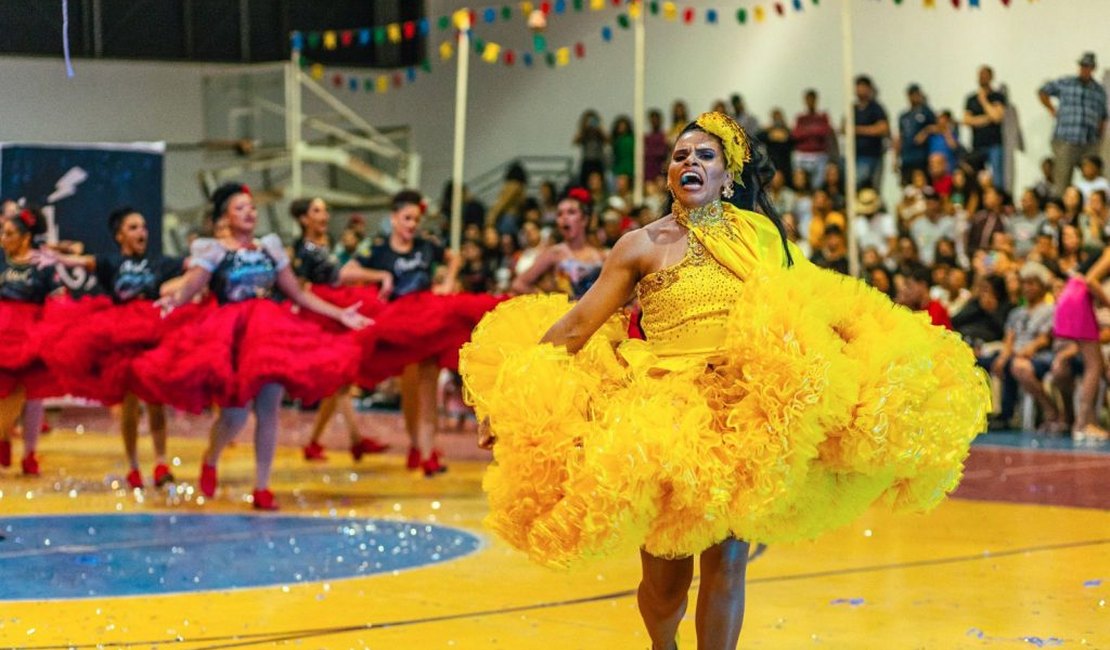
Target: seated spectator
[[1045, 250], [873, 226], [983, 319], [1091, 178], [803, 200], [905, 255], [1026, 356], [945, 252], [951, 292], [986, 222], [833, 253], [822, 216], [1054, 214], [534, 241], [877, 276], [595, 183], [1095, 221], [1071, 253], [1073, 205], [782, 197], [532, 212], [913, 292], [1025, 223], [1043, 187], [931, 227], [910, 207], [940, 177], [790, 223], [549, 203], [475, 274], [834, 186]]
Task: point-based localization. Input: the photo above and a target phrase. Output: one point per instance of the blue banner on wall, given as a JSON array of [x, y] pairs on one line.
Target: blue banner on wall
[[78, 185]]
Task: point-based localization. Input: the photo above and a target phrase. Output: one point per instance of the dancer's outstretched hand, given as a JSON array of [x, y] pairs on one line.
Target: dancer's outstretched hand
[[386, 288], [354, 320]]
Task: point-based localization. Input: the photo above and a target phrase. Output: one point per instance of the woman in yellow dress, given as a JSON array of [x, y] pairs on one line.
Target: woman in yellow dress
[[771, 401]]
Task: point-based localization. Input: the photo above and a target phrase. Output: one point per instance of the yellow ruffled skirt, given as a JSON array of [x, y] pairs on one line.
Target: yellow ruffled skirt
[[825, 398]]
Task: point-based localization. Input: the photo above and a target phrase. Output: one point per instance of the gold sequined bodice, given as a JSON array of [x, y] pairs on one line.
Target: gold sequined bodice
[[685, 306]]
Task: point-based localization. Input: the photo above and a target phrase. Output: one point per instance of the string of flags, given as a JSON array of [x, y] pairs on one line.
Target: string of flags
[[540, 52]]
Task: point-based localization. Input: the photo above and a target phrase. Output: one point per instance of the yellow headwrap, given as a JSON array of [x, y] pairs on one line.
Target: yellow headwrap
[[732, 137]]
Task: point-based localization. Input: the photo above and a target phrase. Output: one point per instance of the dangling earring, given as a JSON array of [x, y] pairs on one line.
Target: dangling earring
[[727, 192]]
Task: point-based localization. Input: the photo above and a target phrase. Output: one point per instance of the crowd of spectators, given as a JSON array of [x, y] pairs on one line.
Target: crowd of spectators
[[955, 243]]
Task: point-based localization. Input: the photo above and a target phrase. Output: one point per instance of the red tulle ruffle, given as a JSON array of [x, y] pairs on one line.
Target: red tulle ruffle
[[224, 354], [21, 343], [419, 327]]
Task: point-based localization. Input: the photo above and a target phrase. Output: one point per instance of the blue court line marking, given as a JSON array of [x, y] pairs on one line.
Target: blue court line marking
[[97, 555]]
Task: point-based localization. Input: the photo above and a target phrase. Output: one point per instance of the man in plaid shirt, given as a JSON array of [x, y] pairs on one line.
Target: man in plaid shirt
[[1080, 119]]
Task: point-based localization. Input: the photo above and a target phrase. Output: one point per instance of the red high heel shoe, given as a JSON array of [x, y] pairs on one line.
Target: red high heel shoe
[[135, 479], [314, 451], [432, 466], [264, 500], [413, 461], [367, 446], [5, 453], [30, 465], [162, 475], [208, 480]]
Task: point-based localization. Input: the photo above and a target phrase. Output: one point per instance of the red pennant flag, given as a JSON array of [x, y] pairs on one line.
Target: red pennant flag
[[579, 50], [956, 4], [398, 80], [779, 9], [545, 7], [337, 80], [1006, 3], [409, 30], [688, 15], [346, 38], [510, 57]]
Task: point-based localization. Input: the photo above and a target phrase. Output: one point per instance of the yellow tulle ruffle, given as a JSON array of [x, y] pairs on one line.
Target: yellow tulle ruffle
[[825, 398]]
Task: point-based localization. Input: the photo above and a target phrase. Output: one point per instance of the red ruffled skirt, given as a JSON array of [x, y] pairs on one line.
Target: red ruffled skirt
[[94, 343], [418, 327], [21, 342], [223, 354]]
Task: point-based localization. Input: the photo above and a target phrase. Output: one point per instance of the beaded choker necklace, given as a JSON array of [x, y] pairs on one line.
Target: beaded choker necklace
[[704, 216]]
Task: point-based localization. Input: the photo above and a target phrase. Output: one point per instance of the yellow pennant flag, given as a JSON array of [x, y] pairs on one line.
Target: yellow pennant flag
[[562, 56], [670, 11], [316, 71], [393, 31], [382, 84], [330, 40], [462, 19], [526, 9], [492, 51], [930, 4], [446, 50], [597, 4], [760, 14], [634, 10]]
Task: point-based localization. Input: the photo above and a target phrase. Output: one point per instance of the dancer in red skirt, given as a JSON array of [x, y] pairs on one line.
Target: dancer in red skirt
[[24, 378], [422, 328], [95, 339], [343, 285], [240, 353]]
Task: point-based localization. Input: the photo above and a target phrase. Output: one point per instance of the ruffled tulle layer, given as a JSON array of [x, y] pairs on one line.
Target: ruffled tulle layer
[[21, 362], [825, 399], [418, 327], [223, 354], [95, 343]]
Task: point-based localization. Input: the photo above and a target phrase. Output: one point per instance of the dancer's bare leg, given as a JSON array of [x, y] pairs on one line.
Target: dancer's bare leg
[[129, 427], [662, 597], [720, 612]]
